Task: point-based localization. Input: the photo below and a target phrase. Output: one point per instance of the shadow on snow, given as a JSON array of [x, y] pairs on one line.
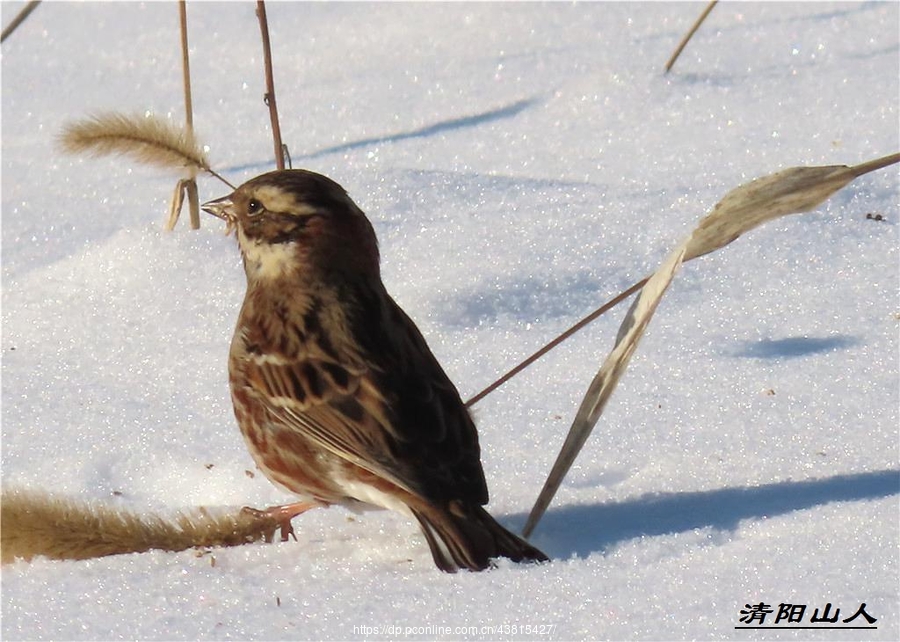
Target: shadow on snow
[[585, 529], [473, 120], [795, 346]]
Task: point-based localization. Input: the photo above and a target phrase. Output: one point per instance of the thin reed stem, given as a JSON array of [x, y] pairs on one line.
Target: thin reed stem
[[191, 185], [270, 83], [689, 35], [555, 342], [19, 19]]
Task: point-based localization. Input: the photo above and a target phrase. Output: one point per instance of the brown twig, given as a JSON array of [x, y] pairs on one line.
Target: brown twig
[[269, 98], [562, 337], [19, 19], [689, 35]]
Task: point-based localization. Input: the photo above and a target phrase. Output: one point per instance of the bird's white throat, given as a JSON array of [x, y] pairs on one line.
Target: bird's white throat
[[266, 261]]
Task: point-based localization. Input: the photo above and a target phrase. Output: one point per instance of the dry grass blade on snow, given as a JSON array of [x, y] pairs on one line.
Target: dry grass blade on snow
[[791, 191], [689, 35], [795, 190], [604, 383]]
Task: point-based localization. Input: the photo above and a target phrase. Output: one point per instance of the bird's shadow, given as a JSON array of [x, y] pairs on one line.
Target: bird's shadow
[[585, 529], [473, 120]]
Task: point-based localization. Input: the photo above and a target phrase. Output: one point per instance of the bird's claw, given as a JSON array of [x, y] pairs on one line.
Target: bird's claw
[[282, 516]]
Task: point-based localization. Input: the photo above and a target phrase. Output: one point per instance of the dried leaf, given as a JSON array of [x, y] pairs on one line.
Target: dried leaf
[[792, 191], [175, 207], [186, 187]]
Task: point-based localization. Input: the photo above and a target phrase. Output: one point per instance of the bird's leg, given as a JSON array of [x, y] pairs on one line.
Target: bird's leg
[[282, 516]]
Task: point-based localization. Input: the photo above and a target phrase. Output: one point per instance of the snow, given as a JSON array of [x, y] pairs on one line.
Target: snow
[[522, 164]]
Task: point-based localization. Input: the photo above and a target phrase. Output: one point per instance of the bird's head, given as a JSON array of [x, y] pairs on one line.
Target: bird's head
[[291, 221]]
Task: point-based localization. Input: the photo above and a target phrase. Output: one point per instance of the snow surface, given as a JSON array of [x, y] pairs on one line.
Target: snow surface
[[521, 163]]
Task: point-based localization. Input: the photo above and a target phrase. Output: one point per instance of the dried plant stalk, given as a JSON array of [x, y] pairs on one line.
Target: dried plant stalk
[[593, 316], [795, 190], [790, 182], [19, 19], [185, 188], [186, 67], [689, 35], [269, 98], [190, 185]]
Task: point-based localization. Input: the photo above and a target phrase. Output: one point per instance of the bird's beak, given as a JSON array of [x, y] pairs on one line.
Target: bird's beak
[[221, 207]]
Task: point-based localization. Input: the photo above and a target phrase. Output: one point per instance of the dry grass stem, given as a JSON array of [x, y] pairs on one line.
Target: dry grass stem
[[269, 98], [593, 316], [185, 188], [19, 19], [190, 186], [689, 35]]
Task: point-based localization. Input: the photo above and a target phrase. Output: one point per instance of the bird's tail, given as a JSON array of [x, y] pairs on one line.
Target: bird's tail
[[466, 536]]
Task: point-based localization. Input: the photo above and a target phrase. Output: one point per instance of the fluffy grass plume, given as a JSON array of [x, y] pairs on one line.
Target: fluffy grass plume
[[35, 524], [148, 139]]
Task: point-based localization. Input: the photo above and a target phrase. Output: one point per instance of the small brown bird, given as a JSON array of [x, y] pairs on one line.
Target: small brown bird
[[338, 396]]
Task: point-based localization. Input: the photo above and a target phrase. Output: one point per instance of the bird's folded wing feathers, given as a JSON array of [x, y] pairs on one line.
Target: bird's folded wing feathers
[[336, 408]]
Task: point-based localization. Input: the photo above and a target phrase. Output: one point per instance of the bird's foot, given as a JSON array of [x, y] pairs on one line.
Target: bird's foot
[[282, 515]]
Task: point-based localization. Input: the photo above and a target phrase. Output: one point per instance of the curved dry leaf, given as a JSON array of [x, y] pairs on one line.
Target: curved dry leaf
[[792, 191]]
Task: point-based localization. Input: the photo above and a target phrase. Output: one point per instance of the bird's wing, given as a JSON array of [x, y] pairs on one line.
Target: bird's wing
[[329, 404], [433, 439], [395, 414], [432, 428]]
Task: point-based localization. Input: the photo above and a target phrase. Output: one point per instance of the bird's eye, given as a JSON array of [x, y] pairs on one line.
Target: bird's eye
[[254, 207]]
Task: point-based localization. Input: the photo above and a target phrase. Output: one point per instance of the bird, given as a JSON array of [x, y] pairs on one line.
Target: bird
[[338, 397]]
